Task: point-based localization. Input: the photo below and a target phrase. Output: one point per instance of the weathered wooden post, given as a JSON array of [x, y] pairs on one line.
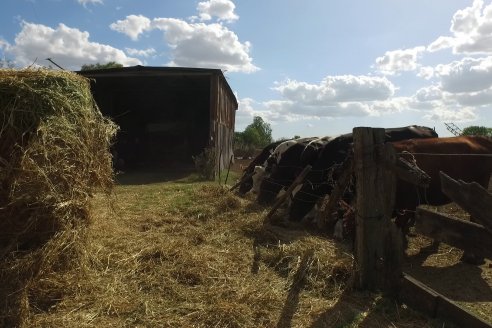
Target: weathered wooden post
[[378, 247]]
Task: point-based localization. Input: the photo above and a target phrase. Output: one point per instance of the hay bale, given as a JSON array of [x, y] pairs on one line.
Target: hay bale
[[54, 155]]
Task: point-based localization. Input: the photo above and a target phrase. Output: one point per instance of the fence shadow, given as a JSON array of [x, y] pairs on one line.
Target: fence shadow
[[292, 301], [459, 281]]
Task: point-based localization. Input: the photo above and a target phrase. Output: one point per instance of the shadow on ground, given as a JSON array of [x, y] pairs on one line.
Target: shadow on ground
[[459, 282], [155, 175]]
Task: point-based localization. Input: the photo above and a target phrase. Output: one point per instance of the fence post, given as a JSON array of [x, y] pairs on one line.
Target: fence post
[[378, 247]]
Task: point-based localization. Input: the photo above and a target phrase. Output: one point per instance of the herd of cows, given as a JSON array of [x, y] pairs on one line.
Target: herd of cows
[[279, 163]]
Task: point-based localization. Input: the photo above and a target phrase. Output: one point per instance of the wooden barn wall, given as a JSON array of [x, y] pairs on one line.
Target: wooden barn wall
[[223, 114]]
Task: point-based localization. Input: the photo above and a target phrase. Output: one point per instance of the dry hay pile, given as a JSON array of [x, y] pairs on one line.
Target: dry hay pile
[[191, 254], [54, 154]]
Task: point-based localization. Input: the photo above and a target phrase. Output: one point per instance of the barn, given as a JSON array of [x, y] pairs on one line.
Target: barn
[[166, 114]]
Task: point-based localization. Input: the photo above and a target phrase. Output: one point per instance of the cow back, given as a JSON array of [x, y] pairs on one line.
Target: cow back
[[458, 157], [334, 153]]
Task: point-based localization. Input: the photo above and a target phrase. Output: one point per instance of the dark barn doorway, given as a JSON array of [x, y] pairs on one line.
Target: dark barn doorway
[[166, 114]]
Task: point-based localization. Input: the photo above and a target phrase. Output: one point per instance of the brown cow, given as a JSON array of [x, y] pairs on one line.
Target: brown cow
[[458, 157]]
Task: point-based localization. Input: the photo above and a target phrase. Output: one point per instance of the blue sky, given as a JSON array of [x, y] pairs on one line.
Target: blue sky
[[309, 68]]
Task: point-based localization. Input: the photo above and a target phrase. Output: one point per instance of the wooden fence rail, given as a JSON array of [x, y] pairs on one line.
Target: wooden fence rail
[[377, 252]]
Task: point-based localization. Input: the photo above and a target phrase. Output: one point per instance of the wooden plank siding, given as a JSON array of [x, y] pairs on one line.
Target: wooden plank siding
[[223, 107]]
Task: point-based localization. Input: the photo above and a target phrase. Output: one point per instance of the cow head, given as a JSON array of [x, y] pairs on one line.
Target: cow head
[[258, 176]]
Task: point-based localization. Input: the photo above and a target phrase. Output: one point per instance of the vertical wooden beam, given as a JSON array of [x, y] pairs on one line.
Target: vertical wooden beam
[[228, 169], [214, 120], [375, 234]]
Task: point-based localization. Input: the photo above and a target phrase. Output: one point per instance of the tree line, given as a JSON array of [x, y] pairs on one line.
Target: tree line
[[476, 130]]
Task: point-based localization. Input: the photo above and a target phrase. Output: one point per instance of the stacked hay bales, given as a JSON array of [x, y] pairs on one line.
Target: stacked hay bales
[[54, 155]]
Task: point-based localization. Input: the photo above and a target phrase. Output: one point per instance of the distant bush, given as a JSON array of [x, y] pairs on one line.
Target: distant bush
[[256, 136], [205, 163]]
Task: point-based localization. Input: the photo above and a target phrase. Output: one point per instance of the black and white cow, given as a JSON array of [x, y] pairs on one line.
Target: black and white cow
[[317, 183], [282, 168], [259, 160]]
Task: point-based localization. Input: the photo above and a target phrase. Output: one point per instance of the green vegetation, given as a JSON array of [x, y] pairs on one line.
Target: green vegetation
[[189, 253], [90, 67], [205, 164], [256, 135], [475, 130]]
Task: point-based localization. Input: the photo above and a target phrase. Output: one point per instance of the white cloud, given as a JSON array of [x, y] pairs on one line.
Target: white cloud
[[132, 26], [205, 45], [446, 115], [335, 96], [459, 88], [248, 109], [400, 60], [391, 105], [333, 89], [429, 93], [472, 31], [197, 44], [466, 20], [69, 47], [426, 72], [222, 9], [440, 105], [466, 75], [291, 111], [141, 52], [442, 42], [4, 45], [85, 2], [475, 99]]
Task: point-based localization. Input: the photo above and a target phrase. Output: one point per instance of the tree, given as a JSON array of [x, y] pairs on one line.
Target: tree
[[475, 130], [256, 135], [90, 67]]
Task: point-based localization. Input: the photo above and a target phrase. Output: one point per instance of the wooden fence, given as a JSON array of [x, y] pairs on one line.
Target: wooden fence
[[378, 250], [378, 244]]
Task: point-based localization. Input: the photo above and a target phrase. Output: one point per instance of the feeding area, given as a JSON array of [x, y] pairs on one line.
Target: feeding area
[[166, 249]]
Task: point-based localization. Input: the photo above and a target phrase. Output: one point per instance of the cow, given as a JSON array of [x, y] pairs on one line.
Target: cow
[[458, 157], [247, 182], [284, 169], [264, 171], [258, 176], [318, 182], [464, 158]]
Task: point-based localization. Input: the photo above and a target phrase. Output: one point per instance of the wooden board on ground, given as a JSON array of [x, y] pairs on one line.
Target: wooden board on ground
[[421, 297], [472, 197], [462, 234]]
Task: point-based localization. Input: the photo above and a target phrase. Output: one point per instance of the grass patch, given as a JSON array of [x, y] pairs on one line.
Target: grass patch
[[191, 254]]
